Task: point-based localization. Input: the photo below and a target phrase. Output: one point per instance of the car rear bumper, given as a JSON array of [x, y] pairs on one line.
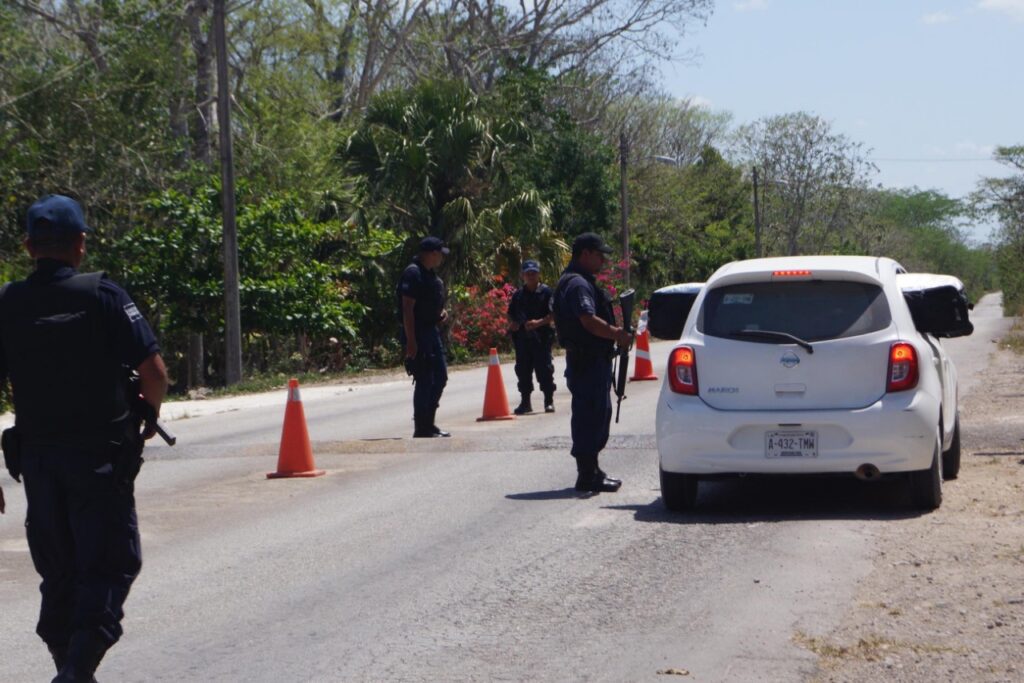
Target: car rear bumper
[[895, 434]]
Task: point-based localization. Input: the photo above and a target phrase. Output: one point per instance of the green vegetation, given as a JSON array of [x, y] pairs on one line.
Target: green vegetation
[[360, 129]]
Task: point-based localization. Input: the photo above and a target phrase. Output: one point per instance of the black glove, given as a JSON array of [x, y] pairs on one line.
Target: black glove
[[410, 366]]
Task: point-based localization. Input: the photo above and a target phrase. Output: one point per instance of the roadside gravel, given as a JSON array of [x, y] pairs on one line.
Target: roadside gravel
[[945, 601]]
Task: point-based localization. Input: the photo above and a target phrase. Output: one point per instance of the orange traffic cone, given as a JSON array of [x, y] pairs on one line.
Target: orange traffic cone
[[642, 368], [495, 398], [295, 458]]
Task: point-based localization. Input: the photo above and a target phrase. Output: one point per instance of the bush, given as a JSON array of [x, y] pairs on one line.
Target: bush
[[480, 320]]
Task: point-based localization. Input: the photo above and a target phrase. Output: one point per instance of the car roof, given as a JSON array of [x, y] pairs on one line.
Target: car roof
[[872, 267], [919, 281], [682, 288]]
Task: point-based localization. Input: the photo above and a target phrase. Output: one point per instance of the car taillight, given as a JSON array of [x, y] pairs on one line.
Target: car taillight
[[903, 371], [682, 371]]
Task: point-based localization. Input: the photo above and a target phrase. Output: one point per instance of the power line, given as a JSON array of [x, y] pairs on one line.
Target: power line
[[930, 160]]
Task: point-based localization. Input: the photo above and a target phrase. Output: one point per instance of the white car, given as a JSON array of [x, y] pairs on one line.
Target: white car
[[813, 365]]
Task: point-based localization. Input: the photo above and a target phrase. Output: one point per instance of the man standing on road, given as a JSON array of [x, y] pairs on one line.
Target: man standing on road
[[67, 341], [530, 314], [421, 299], [586, 329]]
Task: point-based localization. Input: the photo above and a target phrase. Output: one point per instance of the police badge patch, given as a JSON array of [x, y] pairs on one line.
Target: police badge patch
[[132, 312]]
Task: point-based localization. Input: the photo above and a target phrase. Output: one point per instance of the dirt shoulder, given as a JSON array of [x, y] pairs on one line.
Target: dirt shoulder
[[945, 601]]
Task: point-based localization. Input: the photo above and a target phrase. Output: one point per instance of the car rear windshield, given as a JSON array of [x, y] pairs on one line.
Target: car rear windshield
[[812, 310]]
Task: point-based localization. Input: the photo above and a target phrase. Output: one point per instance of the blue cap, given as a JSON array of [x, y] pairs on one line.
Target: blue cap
[[531, 266], [433, 244], [55, 213]]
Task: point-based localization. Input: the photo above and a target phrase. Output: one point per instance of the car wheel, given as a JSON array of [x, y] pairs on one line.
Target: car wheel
[[678, 491], [926, 485], [951, 458]]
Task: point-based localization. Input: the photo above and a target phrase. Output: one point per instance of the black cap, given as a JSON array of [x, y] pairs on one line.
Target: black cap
[[55, 213], [531, 266], [433, 244], [590, 240]]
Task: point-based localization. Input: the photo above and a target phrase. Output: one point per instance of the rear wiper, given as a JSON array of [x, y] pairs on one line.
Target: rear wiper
[[771, 334]]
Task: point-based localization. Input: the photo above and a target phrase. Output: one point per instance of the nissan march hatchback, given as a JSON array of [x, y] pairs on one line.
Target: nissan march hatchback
[[806, 365]]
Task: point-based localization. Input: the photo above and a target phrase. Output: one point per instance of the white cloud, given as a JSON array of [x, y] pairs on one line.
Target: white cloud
[[1014, 8], [937, 18], [700, 101], [750, 5]]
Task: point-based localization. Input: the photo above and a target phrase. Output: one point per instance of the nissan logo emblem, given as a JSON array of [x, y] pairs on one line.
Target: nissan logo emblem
[[789, 360]]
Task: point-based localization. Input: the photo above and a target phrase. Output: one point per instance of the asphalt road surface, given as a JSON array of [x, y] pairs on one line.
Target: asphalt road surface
[[463, 559]]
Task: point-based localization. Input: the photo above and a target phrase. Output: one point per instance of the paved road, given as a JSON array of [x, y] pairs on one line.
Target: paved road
[[464, 559]]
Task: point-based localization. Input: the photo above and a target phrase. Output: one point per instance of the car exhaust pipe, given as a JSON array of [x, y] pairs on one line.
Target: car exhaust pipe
[[868, 473]]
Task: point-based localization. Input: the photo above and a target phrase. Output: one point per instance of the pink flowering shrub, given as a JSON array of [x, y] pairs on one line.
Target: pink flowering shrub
[[480, 320], [612, 280]]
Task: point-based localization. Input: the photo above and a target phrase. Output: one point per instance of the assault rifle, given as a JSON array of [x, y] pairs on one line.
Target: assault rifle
[[622, 357], [144, 412]]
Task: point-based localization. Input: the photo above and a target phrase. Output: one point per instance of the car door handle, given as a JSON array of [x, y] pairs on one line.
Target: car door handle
[[790, 388]]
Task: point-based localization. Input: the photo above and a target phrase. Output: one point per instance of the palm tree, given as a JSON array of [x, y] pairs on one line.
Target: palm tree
[[429, 160]]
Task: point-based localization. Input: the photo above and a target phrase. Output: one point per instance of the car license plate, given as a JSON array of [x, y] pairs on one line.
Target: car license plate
[[791, 444]]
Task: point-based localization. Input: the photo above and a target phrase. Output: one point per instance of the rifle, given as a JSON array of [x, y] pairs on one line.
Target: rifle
[[622, 357], [144, 412]]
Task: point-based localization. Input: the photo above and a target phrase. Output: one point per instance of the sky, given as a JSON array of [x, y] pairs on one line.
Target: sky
[[931, 87]]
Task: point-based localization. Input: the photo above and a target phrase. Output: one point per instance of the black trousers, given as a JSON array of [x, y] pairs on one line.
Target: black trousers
[[590, 383], [430, 375], [533, 356], [83, 535]]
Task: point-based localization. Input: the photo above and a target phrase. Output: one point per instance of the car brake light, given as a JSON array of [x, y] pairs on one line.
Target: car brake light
[[903, 371], [682, 371], [791, 273]]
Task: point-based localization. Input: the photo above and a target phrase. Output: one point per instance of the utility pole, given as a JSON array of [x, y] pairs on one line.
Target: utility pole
[[623, 201], [757, 220], [232, 302]]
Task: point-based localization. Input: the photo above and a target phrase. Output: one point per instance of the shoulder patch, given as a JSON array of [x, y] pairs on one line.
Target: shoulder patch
[[132, 312]]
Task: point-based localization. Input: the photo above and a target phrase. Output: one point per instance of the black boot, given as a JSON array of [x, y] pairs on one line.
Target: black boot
[[84, 654], [434, 429], [601, 475], [549, 401], [424, 428], [590, 477], [524, 406]]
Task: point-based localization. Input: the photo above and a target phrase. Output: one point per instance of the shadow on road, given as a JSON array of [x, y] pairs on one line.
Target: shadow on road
[[784, 499], [556, 494]]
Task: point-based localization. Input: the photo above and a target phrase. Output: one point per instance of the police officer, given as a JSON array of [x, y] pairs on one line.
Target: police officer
[[529, 313], [586, 329], [66, 340], [421, 299]]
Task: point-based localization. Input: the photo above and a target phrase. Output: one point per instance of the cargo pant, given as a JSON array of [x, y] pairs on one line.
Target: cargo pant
[[430, 374], [83, 535], [590, 383]]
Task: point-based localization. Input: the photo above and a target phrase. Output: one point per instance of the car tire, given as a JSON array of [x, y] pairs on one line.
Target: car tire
[[926, 485], [951, 458], [678, 491]]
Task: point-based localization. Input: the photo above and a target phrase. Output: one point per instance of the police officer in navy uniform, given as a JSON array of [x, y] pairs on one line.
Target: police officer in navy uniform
[[529, 312], [586, 329], [421, 300], [66, 342]]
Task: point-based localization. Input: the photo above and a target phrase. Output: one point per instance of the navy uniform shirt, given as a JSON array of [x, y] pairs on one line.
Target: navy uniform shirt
[[427, 289], [526, 305], [131, 338], [577, 294]]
